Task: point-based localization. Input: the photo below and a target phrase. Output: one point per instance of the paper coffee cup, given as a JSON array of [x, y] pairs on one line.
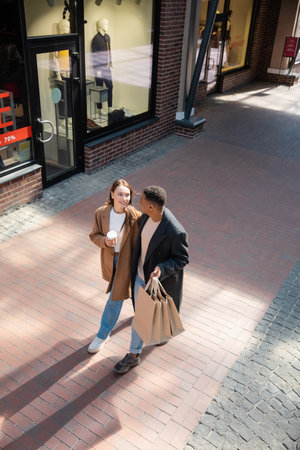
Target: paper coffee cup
[[112, 236]]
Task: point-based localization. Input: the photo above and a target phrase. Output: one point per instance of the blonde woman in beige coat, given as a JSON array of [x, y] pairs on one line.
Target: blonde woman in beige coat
[[120, 215]]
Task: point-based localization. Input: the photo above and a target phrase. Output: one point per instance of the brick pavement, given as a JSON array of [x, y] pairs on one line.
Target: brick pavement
[[236, 189]]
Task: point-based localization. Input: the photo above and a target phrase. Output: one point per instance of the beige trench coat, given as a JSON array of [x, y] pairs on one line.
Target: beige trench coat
[[121, 287]]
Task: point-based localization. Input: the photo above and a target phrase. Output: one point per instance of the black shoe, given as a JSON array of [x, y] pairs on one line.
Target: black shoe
[[126, 363], [162, 343]]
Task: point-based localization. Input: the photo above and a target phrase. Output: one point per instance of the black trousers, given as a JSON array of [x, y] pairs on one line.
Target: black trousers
[[106, 79]]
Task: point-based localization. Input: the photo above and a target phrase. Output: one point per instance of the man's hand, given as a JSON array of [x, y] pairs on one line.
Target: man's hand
[[156, 272]]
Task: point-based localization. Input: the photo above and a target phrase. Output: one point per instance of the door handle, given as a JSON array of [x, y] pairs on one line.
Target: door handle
[[43, 141]]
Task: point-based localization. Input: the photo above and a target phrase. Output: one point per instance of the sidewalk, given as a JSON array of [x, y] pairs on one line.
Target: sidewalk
[[229, 381]]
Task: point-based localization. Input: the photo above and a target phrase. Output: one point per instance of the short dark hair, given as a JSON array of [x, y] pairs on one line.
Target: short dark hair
[[156, 194]]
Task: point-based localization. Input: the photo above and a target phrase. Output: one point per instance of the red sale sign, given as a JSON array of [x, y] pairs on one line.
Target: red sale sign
[[11, 136], [290, 46], [15, 136]]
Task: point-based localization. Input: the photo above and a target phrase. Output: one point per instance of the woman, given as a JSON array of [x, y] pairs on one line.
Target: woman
[[119, 215]]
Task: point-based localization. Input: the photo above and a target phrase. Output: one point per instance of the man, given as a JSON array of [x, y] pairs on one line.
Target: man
[[161, 251]]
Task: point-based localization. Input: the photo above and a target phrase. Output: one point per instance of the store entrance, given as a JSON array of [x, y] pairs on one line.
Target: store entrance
[[54, 102]]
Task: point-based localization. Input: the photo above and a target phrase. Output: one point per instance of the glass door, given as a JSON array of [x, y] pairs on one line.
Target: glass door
[[55, 86]]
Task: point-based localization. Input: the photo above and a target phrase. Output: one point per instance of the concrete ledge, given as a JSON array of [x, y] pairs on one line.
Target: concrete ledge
[[19, 173], [192, 122]]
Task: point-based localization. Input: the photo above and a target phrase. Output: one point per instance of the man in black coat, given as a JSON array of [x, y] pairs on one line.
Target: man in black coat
[[161, 251]]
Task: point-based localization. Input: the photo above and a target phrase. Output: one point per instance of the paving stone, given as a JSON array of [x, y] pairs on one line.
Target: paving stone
[[232, 439], [256, 414], [229, 383], [239, 378], [212, 410], [293, 432], [241, 429], [241, 389], [291, 445], [286, 403], [263, 407], [253, 398], [221, 427], [202, 430], [215, 439], [208, 420], [286, 414]]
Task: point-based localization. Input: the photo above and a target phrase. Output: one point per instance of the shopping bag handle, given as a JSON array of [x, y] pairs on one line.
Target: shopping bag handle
[[160, 287], [153, 283]]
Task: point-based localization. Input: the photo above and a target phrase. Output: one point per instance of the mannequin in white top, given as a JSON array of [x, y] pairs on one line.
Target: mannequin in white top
[[61, 58]]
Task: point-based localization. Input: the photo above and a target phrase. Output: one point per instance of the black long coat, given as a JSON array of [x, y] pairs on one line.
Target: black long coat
[[167, 249]]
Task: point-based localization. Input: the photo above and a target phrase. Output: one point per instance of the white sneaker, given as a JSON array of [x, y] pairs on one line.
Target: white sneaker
[[97, 344]]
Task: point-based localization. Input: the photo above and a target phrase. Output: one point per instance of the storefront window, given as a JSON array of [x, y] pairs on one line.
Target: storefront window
[[236, 33], [118, 57], [46, 18], [229, 39], [15, 132]]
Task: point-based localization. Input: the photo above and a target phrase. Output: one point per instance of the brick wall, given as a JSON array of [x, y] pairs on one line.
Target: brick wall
[[168, 78], [189, 132], [21, 190]]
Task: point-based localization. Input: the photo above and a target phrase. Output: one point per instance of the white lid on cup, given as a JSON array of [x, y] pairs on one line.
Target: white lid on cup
[[112, 234]]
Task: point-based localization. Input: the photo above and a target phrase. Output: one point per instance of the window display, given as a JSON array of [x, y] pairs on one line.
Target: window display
[[118, 56], [229, 38], [237, 31], [15, 132]]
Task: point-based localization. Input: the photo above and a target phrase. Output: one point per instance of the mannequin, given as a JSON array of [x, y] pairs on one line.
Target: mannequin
[[62, 62], [62, 71], [101, 58]]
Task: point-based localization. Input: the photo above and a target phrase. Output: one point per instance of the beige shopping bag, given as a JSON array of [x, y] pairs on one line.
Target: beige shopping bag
[[175, 323], [147, 317], [166, 332], [157, 323]]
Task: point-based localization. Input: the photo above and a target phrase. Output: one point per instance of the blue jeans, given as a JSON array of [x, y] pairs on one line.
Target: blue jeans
[[111, 311], [136, 343]]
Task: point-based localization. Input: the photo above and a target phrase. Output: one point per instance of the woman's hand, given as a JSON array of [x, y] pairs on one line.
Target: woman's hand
[[109, 242]]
